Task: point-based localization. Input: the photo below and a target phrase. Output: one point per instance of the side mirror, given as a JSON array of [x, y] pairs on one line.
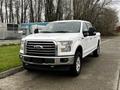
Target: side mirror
[[92, 31], [36, 31]]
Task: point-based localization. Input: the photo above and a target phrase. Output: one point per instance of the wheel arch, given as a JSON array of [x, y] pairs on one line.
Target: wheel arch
[[79, 49], [99, 42]]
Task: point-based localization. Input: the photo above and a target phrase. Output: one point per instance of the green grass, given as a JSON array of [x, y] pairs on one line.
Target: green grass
[[9, 57]]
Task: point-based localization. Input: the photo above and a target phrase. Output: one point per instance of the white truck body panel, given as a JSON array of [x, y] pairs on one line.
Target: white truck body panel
[[88, 43]]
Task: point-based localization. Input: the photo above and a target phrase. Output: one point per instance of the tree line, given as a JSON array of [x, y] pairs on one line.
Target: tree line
[[96, 11]]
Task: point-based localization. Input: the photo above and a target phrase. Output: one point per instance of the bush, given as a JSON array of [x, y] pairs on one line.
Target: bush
[[106, 22]]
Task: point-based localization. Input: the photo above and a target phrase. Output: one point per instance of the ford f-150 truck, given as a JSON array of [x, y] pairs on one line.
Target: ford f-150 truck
[[62, 45]]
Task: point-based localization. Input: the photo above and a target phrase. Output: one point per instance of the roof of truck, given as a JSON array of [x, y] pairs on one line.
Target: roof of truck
[[71, 21]]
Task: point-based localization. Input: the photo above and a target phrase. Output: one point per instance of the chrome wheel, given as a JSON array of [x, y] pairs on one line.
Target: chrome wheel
[[78, 64], [98, 50], [76, 67]]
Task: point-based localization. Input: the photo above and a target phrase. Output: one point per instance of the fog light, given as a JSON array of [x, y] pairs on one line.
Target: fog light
[[63, 60]]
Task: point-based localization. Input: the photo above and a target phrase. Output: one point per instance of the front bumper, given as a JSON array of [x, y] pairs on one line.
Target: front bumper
[[44, 60]]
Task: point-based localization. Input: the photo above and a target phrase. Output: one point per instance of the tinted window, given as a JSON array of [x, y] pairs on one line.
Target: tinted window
[[12, 27], [85, 28], [59, 27], [89, 25]]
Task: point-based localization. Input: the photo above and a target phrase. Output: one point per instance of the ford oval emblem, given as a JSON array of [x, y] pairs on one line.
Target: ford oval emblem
[[38, 46]]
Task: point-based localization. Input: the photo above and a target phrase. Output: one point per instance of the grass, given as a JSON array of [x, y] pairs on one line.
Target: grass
[[9, 57]]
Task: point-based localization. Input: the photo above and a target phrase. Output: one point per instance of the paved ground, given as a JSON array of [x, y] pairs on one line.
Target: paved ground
[[9, 41], [97, 74]]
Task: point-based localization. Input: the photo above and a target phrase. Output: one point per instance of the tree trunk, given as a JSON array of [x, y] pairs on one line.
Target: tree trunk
[[40, 4], [49, 10], [11, 17], [6, 11], [1, 12], [59, 12], [31, 11], [21, 11], [25, 10]]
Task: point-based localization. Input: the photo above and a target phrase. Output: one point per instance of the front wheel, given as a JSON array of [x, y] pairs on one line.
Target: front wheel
[[76, 68]]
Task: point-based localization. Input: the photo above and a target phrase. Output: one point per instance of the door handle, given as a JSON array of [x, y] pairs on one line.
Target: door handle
[[82, 38], [90, 38]]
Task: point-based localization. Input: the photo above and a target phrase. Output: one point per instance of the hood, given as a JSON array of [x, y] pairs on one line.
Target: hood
[[52, 36]]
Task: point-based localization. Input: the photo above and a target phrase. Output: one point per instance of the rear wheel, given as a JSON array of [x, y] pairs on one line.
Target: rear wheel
[[76, 68], [96, 53]]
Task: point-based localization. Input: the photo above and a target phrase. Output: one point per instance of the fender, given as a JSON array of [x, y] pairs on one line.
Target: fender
[[77, 44]]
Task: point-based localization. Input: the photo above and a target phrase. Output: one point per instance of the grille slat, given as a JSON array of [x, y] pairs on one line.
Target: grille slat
[[30, 48], [31, 53], [41, 51], [46, 46], [40, 48], [42, 43]]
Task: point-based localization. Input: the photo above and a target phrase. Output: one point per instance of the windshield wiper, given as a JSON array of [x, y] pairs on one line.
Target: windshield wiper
[[46, 32], [54, 32]]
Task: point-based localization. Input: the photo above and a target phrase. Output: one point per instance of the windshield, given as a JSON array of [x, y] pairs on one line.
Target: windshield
[[62, 27]]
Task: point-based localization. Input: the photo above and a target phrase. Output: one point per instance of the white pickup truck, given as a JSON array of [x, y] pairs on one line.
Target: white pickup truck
[[62, 45]]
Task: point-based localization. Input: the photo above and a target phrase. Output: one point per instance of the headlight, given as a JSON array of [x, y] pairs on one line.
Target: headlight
[[65, 46], [22, 45]]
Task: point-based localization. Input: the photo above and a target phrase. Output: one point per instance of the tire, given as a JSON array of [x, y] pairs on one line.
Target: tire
[[26, 67], [96, 53], [76, 67]]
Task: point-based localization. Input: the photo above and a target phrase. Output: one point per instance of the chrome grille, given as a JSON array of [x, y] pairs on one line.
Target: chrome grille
[[40, 48]]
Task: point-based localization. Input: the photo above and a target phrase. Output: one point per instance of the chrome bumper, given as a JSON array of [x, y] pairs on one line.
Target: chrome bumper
[[57, 60]]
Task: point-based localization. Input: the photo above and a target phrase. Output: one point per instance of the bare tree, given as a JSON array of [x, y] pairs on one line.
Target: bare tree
[[88, 9], [49, 10], [59, 11], [67, 9], [25, 10], [21, 11], [6, 11], [106, 22], [1, 12], [31, 11], [11, 16], [17, 10], [95, 11], [39, 12]]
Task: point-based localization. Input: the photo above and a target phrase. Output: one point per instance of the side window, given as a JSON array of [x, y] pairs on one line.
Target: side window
[[89, 25], [85, 28]]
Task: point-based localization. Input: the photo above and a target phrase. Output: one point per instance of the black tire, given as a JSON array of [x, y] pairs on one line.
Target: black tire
[[96, 53], [76, 67], [26, 67]]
